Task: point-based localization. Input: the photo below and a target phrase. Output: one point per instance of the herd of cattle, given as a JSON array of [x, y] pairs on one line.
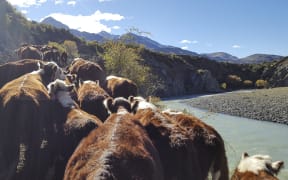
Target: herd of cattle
[[43, 52], [76, 123]]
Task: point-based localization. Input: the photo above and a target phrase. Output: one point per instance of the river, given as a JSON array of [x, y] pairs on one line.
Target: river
[[242, 134]]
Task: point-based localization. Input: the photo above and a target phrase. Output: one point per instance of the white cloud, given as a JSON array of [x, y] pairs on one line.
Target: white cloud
[[26, 3], [72, 3], [56, 2], [185, 41], [90, 23], [24, 11], [185, 47], [116, 27], [236, 46], [104, 1]]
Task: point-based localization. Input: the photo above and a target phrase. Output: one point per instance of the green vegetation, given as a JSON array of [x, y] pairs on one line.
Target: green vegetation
[[247, 84], [260, 84], [156, 74], [123, 60]]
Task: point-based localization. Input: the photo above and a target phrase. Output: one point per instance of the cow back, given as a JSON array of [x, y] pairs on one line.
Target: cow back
[[120, 149]]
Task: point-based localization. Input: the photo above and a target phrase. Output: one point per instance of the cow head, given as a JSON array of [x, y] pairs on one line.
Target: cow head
[[257, 163], [139, 103], [113, 105], [50, 71], [60, 91]]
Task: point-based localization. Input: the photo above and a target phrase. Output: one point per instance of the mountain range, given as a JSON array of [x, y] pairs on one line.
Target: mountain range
[[155, 46]]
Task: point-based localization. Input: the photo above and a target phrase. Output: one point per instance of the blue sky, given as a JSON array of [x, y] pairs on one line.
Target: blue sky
[[238, 27]]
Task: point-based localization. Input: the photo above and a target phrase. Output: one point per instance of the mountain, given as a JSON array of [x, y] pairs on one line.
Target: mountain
[[154, 45], [53, 22], [128, 37], [260, 58], [221, 57]]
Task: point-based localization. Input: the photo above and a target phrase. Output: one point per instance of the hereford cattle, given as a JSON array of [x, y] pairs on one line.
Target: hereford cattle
[[209, 145], [91, 99], [119, 149], [29, 52], [183, 141], [52, 54], [120, 87], [72, 124], [177, 154], [63, 59], [87, 70], [257, 167], [13, 70], [25, 122], [112, 105]]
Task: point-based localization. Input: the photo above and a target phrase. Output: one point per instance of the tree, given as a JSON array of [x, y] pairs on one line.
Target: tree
[[71, 48], [122, 60]]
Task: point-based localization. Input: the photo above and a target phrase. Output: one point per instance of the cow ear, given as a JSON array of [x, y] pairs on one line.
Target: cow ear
[[80, 82], [245, 155], [51, 88], [131, 99], [108, 103], [97, 82], [277, 166], [40, 65], [134, 107]]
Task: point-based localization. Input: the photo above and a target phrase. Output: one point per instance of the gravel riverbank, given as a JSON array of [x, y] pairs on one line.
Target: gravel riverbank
[[261, 104]]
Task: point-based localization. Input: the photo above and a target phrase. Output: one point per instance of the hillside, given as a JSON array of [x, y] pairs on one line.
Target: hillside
[[16, 30], [176, 74], [260, 58], [221, 57]]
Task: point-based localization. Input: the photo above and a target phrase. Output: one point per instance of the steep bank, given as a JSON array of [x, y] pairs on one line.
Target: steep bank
[[264, 104]]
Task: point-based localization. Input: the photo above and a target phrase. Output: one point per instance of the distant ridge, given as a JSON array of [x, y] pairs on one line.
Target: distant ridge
[[53, 22], [260, 58], [221, 56], [155, 46], [104, 36]]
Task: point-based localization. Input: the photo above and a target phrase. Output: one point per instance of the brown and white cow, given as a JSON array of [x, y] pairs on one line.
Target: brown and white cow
[[120, 149], [91, 99], [257, 167], [210, 149], [71, 125], [87, 70], [120, 87], [184, 141], [112, 105], [25, 122], [29, 52], [15, 69]]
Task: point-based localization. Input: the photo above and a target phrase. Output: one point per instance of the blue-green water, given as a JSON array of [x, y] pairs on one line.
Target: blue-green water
[[243, 135]]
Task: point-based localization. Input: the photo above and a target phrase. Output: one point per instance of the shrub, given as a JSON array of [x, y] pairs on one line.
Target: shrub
[[233, 81], [223, 86], [247, 83], [260, 83], [124, 61]]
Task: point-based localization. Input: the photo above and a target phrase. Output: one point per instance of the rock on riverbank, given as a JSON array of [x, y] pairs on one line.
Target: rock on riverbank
[[261, 104]]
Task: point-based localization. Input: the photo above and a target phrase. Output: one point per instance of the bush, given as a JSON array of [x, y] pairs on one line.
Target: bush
[[247, 83], [122, 60], [260, 84], [223, 86], [233, 81]]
